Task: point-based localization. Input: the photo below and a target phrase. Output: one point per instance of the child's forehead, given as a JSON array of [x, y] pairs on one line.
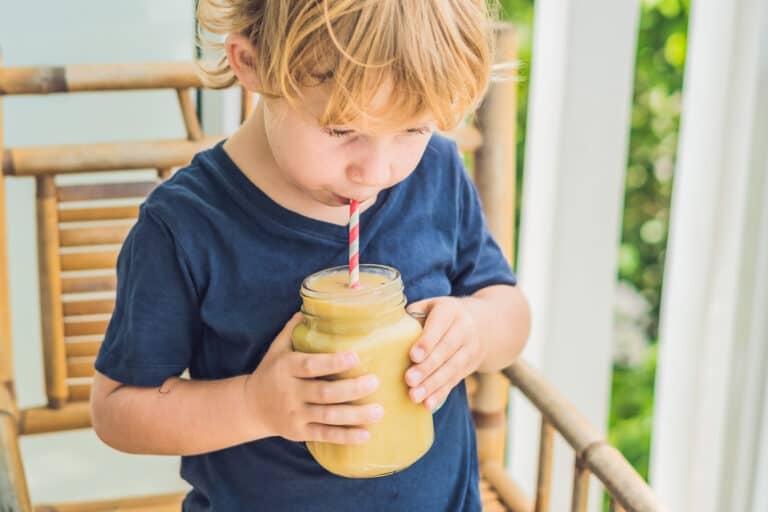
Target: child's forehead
[[377, 117]]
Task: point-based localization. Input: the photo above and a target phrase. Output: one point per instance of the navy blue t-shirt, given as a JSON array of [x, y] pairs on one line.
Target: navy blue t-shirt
[[211, 272]]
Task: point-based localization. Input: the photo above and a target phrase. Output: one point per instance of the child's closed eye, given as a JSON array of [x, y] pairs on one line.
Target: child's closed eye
[[340, 132]]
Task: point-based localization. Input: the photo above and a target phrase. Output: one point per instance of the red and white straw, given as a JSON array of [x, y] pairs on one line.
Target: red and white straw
[[354, 244]]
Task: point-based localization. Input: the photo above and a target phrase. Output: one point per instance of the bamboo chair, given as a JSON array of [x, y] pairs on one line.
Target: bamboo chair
[[73, 326]]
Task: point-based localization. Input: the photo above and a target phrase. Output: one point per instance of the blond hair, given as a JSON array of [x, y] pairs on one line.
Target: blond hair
[[434, 56]]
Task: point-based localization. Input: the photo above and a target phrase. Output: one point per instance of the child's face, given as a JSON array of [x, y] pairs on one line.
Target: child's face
[[334, 164]]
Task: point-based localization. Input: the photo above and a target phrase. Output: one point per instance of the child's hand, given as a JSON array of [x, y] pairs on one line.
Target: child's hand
[[448, 350], [287, 394]]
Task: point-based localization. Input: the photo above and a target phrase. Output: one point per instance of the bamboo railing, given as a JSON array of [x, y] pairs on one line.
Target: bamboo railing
[[491, 142]]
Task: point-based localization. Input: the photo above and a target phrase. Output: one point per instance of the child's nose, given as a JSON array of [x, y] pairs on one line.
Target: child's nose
[[373, 172]]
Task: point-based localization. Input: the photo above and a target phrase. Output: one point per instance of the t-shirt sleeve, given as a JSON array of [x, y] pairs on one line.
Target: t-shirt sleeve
[[156, 321], [479, 261]]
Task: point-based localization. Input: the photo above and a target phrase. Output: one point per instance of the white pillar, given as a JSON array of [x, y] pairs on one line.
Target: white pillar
[[578, 132], [711, 383]]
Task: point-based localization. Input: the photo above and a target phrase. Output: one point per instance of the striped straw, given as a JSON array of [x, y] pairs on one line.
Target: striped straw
[[354, 244]]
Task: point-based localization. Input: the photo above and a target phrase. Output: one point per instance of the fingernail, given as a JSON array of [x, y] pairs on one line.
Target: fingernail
[[414, 377], [372, 382], [351, 358], [364, 435], [431, 403], [418, 394], [417, 355]]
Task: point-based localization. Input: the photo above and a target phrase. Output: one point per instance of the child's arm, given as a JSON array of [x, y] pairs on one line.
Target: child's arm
[[485, 331], [284, 396]]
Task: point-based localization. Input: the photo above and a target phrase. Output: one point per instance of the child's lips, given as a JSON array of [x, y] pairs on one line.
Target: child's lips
[[341, 199]]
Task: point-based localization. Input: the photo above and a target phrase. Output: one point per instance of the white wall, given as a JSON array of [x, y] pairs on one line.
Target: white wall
[[36, 32]]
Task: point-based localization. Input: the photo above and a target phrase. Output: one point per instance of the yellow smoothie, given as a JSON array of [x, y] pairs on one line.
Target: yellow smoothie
[[371, 321]]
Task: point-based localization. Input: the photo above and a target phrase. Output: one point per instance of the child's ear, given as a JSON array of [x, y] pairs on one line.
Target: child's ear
[[241, 56]]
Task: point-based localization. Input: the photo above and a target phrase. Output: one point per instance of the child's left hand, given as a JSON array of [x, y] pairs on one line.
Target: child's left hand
[[448, 350]]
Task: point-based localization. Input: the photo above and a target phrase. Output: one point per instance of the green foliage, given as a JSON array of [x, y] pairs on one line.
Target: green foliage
[[631, 414], [655, 117]]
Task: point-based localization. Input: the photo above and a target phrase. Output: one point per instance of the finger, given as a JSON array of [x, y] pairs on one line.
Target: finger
[[450, 373], [438, 321], [338, 391], [310, 366], [345, 414], [336, 435], [446, 348], [437, 398]]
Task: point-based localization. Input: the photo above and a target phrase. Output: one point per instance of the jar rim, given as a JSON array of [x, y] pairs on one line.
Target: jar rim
[[394, 283]]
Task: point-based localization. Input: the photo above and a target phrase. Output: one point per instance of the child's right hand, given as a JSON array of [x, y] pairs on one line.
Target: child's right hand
[[287, 394]]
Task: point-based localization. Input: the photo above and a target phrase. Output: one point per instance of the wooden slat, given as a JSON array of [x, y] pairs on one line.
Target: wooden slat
[[39, 420], [54, 356], [78, 367], [580, 494], [89, 307], [510, 494], [161, 503], [82, 348], [100, 235], [77, 327], [111, 156], [189, 113], [79, 392], [101, 213], [95, 260], [544, 478], [86, 284], [98, 77], [134, 189]]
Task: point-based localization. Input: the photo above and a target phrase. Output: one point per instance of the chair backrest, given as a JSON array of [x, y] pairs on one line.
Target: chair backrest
[[80, 227]]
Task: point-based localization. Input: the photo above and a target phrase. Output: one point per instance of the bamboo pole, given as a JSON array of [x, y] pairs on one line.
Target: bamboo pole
[[620, 479], [602, 459], [189, 113], [568, 421], [111, 156], [6, 347], [161, 503], [544, 479], [495, 180], [41, 420], [580, 494], [14, 494], [510, 494], [50, 292], [98, 77]]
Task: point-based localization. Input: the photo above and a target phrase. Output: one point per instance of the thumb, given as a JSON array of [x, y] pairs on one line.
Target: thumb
[[283, 340]]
